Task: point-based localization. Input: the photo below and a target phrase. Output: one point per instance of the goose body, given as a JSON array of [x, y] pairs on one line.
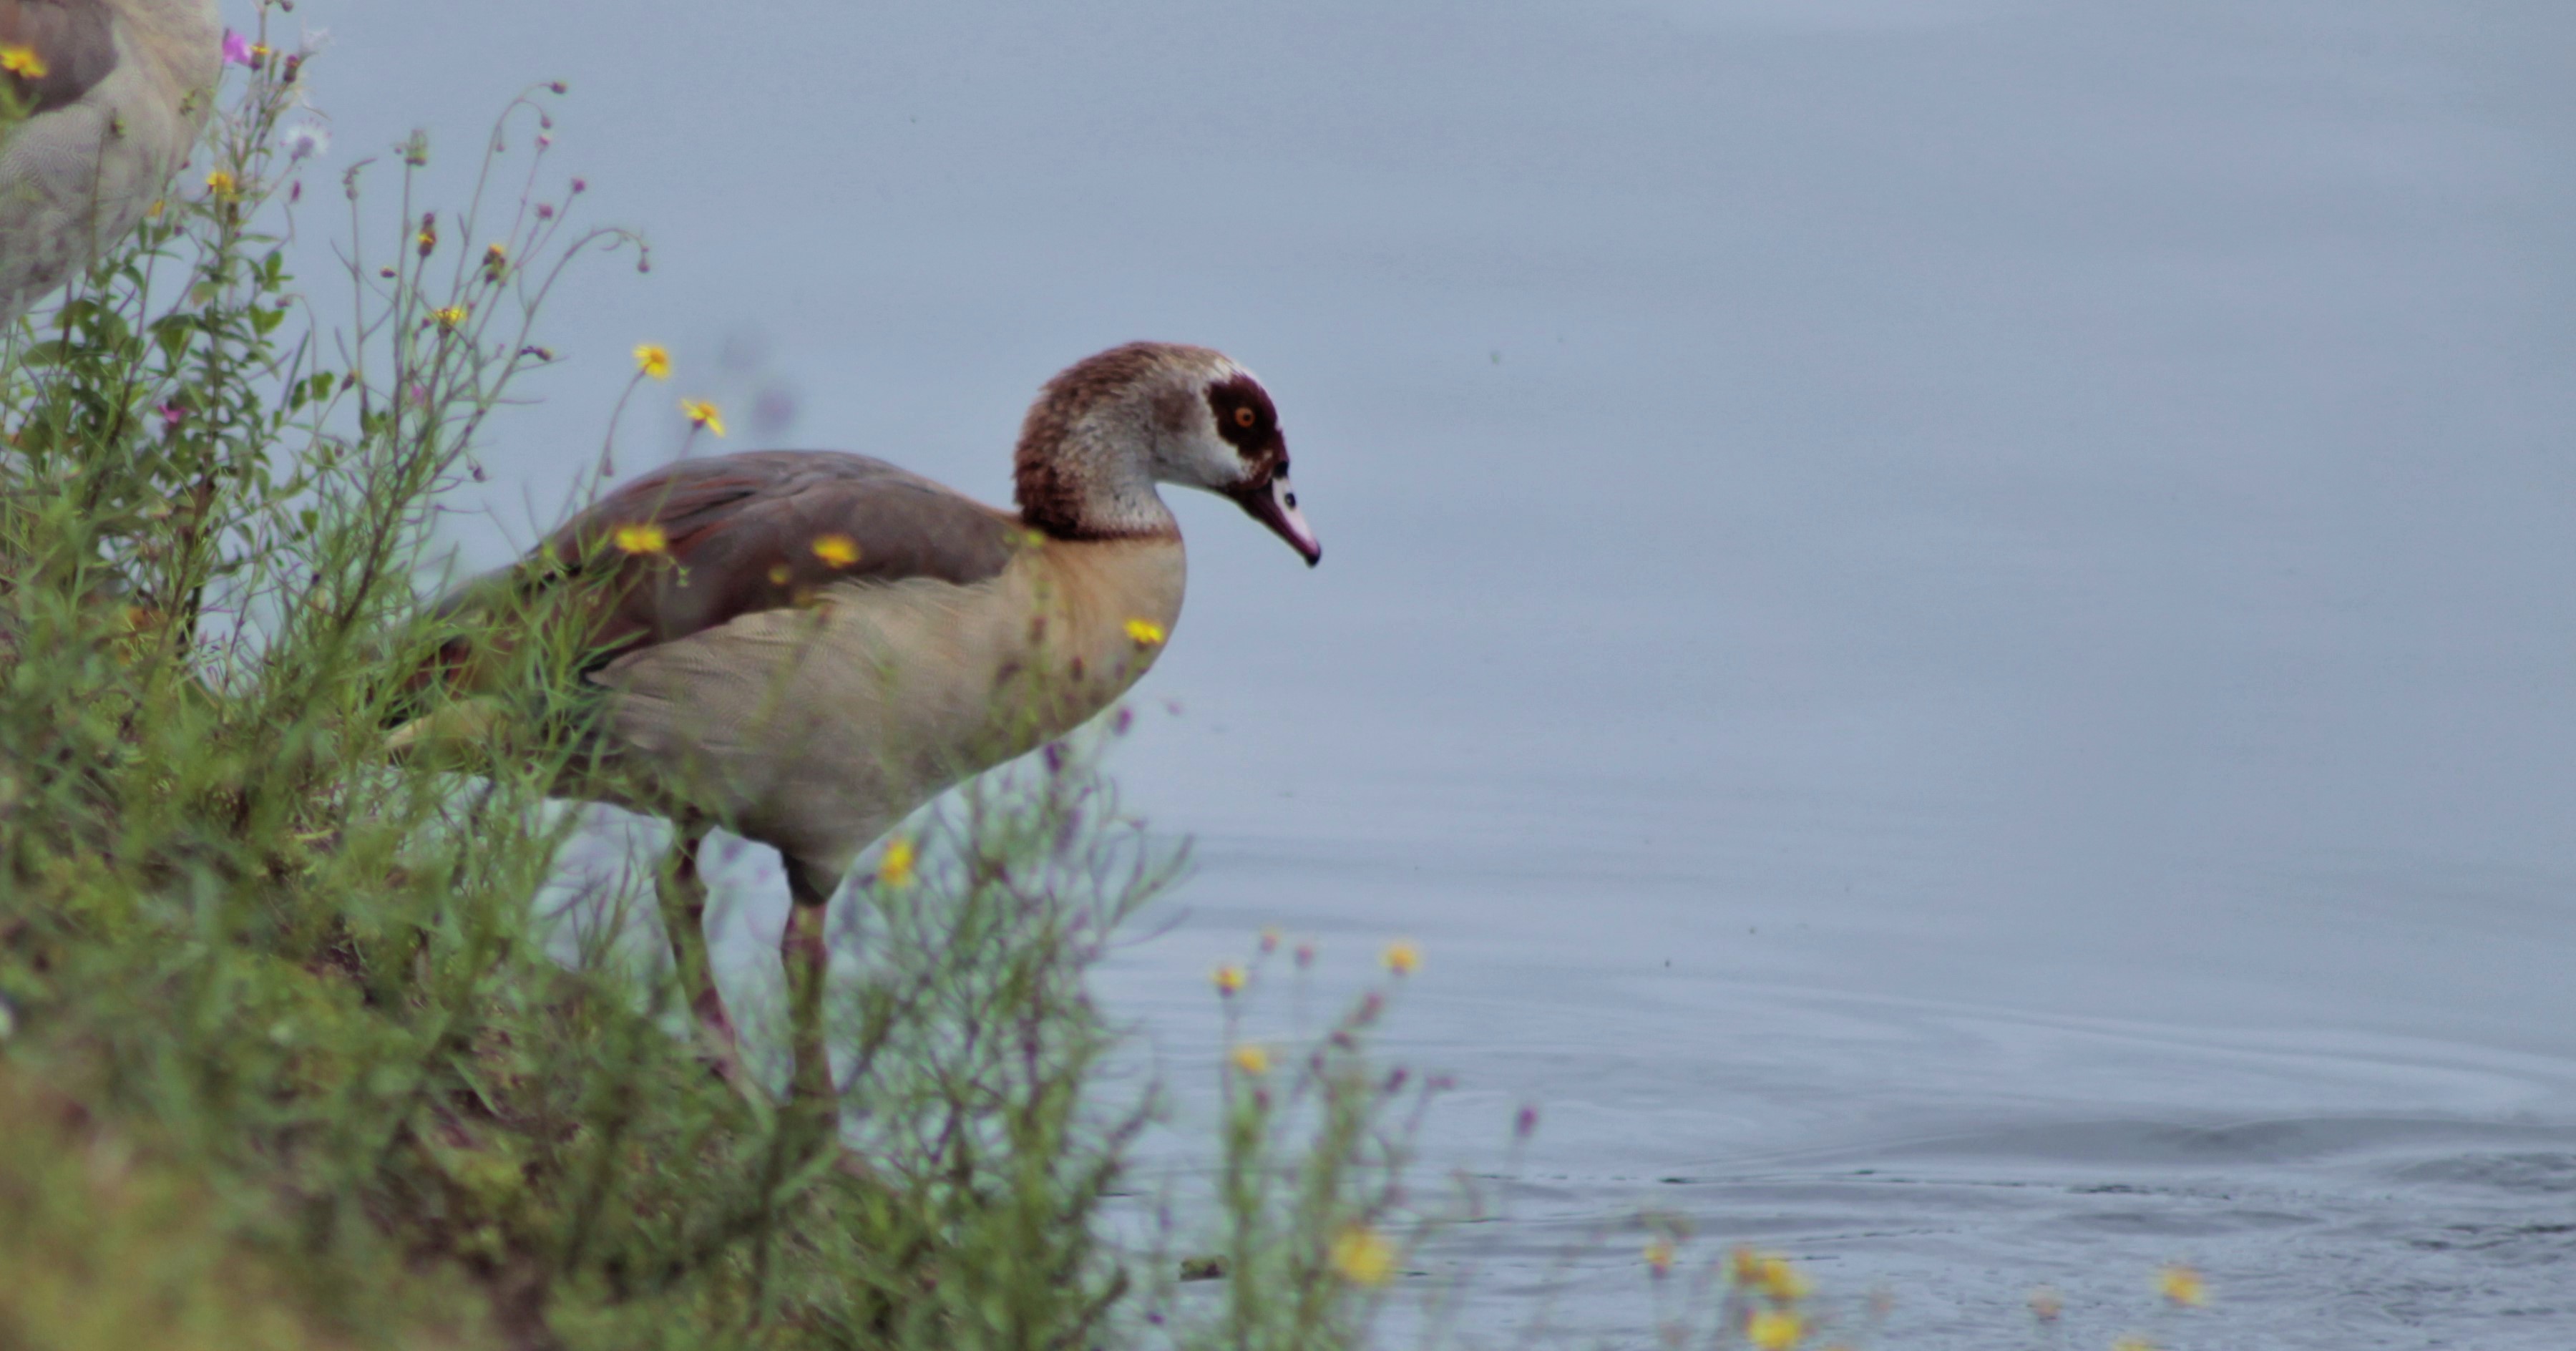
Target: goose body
[[805, 646], [126, 86], [815, 725]]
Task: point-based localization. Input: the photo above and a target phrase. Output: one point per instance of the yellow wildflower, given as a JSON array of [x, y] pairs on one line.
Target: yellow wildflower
[[642, 539], [1781, 1280], [496, 262], [1251, 1059], [1362, 1256], [1402, 957], [894, 867], [22, 62], [703, 414], [2182, 1285], [1146, 632], [1774, 1329], [1229, 978], [838, 550], [1659, 1257], [449, 317], [2133, 1342], [221, 186], [653, 359]]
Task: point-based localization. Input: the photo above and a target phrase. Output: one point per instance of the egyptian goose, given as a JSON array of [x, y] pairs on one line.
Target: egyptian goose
[[115, 92], [805, 646]]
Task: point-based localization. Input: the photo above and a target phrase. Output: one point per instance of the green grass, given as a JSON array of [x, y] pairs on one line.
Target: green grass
[[288, 1062]]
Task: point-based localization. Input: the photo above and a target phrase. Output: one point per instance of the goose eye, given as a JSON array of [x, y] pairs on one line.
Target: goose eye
[[1244, 416]]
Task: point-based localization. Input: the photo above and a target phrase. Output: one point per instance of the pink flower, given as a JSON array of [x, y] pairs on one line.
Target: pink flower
[[171, 416], [236, 48]]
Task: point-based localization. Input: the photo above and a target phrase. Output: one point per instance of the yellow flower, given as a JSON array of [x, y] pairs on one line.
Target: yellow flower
[[838, 550], [703, 414], [2133, 1342], [1774, 1330], [1252, 1060], [642, 539], [496, 262], [1229, 978], [2182, 1285], [894, 868], [1401, 957], [1781, 1280], [22, 62], [1362, 1256], [220, 184], [653, 359], [1659, 1257], [1146, 632], [449, 317]]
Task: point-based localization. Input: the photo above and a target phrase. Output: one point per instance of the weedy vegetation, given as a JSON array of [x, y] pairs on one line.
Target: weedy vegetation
[[290, 1058]]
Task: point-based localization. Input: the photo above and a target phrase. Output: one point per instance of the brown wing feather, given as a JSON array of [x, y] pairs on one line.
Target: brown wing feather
[[739, 534], [75, 40]]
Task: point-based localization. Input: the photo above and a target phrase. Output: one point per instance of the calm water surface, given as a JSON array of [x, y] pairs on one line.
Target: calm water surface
[[1950, 620]]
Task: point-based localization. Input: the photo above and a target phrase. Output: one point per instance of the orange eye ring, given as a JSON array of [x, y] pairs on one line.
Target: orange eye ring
[[1244, 416]]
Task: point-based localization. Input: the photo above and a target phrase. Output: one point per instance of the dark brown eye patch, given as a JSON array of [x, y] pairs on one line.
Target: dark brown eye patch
[[1244, 415]]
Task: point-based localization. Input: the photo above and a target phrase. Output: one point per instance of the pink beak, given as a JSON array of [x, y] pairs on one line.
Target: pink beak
[[1274, 504]]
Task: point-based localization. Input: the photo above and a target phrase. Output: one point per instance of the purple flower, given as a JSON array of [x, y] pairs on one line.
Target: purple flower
[[236, 48], [304, 140], [171, 416]]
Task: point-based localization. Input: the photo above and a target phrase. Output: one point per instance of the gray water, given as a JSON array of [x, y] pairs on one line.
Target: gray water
[[1949, 620]]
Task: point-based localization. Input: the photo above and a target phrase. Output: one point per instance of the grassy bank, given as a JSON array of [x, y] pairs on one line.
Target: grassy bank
[[286, 1060]]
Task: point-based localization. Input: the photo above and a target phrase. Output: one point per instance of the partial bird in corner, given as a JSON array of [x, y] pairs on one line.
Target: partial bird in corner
[[805, 646], [114, 93]]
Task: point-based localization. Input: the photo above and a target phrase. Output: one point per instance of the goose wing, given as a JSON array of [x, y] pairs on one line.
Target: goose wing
[[703, 542]]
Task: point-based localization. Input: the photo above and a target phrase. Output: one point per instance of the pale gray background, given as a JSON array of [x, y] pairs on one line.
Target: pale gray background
[[1962, 588]]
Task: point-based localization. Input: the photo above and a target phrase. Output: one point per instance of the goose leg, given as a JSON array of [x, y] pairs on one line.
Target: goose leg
[[806, 956], [683, 896]]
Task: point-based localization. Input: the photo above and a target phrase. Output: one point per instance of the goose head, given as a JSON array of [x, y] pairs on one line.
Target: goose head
[[1111, 426]]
